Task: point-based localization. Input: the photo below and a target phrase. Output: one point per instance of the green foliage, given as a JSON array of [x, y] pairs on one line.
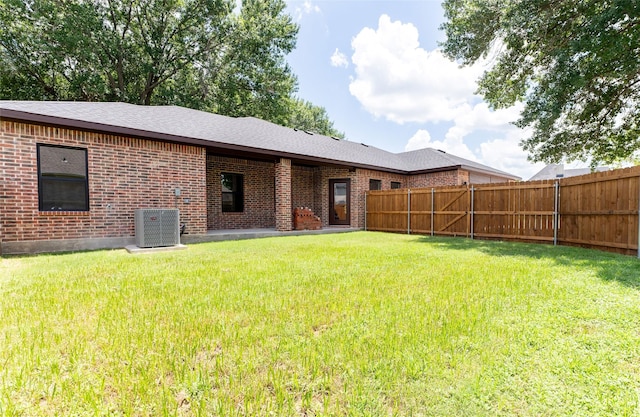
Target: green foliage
[[351, 324], [306, 116], [573, 63], [255, 79], [201, 54]]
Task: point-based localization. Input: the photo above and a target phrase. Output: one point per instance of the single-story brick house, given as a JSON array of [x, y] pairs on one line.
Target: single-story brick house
[[73, 173]]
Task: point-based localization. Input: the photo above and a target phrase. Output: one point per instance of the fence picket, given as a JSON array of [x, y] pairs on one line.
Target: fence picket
[[596, 210]]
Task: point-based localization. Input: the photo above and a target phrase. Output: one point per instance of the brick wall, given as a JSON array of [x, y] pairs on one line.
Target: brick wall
[[259, 192], [124, 174], [362, 186], [303, 188], [359, 186], [284, 214], [385, 177], [436, 179], [128, 173]]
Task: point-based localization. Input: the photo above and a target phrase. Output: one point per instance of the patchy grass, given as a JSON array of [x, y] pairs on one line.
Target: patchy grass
[[350, 324]]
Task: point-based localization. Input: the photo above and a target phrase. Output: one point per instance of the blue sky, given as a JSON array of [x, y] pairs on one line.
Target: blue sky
[[376, 68]]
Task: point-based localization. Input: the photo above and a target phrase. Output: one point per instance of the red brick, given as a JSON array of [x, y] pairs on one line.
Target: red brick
[[129, 173], [158, 168]]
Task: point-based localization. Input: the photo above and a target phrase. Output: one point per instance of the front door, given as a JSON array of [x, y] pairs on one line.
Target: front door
[[339, 210]]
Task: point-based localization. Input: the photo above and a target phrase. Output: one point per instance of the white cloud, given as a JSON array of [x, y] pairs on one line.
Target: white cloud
[[501, 150], [422, 139], [480, 118], [506, 155], [455, 146], [306, 8], [397, 79], [338, 59]]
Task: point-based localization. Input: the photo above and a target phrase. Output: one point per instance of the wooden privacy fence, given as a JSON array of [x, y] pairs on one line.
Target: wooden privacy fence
[[598, 210]]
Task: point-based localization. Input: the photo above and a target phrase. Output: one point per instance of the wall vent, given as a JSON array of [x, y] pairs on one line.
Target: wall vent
[[157, 227]]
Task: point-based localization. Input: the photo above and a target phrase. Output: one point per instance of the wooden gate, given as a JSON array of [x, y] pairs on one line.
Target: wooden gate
[[424, 211], [451, 212]]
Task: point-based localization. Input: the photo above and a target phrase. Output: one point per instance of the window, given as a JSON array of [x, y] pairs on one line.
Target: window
[[375, 185], [395, 185], [232, 193], [62, 179]]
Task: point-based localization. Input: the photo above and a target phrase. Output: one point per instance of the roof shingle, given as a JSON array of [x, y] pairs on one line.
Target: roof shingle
[[246, 133]]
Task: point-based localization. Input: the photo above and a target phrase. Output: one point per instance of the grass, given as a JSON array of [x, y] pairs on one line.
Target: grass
[[360, 324]]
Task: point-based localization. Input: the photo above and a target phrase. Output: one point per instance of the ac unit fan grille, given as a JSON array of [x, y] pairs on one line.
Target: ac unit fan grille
[[157, 227]]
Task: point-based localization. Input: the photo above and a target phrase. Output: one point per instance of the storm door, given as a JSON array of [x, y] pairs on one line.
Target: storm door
[[339, 210]]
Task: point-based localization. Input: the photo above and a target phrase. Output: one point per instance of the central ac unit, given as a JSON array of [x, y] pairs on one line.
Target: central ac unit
[[157, 227]]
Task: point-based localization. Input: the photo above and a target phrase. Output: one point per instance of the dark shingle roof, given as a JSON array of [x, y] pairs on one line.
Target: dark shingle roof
[[242, 134], [429, 159]]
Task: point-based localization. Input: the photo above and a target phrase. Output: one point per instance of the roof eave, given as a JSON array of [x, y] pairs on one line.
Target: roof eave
[[146, 134], [432, 170], [211, 144], [490, 172]]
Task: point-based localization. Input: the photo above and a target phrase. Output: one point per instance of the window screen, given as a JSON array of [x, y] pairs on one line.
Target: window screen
[[62, 179]]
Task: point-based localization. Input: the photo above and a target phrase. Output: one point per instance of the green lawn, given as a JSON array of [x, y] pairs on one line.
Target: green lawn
[[349, 324]]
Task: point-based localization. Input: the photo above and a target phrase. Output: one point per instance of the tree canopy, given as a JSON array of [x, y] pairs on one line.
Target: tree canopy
[[209, 55], [307, 116], [574, 64]]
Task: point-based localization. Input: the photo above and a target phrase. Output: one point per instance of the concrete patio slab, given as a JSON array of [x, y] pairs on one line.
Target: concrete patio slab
[[137, 250]]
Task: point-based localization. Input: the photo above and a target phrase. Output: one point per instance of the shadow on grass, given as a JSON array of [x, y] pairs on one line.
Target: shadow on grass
[[608, 266]]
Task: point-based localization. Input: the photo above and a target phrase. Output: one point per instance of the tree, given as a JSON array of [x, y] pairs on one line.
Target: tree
[[574, 64], [306, 116], [201, 54]]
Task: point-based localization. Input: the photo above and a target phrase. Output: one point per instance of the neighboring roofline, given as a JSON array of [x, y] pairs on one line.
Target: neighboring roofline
[[26, 116]]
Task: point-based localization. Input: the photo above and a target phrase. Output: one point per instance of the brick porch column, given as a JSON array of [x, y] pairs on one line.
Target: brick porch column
[[284, 215]]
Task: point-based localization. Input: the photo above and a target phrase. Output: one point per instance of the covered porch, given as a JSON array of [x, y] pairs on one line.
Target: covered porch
[[253, 197]]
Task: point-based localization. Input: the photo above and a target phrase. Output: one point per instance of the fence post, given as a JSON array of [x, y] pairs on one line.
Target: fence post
[[408, 211], [365, 210], [639, 218], [472, 212], [556, 201], [432, 208]]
